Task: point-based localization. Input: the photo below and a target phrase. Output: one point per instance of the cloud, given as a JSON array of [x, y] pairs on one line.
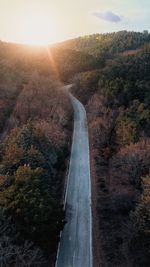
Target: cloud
[[108, 16]]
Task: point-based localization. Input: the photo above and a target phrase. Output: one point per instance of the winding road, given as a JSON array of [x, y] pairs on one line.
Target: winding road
[[75, 247]]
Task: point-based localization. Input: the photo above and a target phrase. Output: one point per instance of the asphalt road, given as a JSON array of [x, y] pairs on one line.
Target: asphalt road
[[75, 248]]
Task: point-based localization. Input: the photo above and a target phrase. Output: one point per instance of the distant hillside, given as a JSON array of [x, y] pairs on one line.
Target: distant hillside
[[93, 51], [72, 56], [109, 43]]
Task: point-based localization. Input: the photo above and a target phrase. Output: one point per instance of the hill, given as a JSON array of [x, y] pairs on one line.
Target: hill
[[110, 75], [108, 44], [117, 100], [35, 130]]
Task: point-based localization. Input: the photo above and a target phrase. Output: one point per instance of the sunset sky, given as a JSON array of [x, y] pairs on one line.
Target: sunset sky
[[49, 21]]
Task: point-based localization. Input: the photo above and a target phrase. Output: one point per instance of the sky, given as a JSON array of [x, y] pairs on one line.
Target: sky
[[50, 21]]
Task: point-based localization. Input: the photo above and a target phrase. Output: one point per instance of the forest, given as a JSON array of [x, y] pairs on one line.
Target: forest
[[35, 131], [117, 100], [110, 74]]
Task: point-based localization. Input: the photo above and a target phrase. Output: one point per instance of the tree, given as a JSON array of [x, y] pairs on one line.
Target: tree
[[37, 215], [140, 226]]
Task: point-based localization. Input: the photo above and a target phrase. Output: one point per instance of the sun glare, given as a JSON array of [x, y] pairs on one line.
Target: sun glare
[[37, 29]]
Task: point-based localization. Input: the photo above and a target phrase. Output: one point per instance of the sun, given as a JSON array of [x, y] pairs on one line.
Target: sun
[[37, 29]]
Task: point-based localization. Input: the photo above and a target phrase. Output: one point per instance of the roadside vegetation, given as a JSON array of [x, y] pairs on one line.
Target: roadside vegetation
[[110, 73], [117, 100], [35, 140]]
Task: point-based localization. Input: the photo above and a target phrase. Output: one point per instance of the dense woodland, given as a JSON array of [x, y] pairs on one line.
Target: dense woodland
[[117, 100], [35, 129], [111, 76]]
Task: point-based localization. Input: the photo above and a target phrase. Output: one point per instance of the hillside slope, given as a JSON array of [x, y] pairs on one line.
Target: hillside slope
[[117, 100], [35, 130], [110, 73]]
